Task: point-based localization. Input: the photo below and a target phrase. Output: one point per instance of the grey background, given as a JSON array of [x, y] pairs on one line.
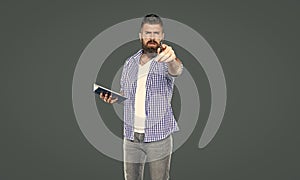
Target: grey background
[[256, 42]]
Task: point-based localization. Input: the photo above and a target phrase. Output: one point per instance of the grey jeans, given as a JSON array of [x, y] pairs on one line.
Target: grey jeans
[[157, 154]]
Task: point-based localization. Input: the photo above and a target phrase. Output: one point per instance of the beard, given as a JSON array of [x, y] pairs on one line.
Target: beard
[[150, 46]]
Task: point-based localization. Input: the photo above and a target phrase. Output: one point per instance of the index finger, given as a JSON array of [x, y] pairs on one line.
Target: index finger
[[163, 47]]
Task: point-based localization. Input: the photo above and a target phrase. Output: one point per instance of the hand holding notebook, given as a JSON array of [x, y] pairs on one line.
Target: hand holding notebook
[[108, 95]]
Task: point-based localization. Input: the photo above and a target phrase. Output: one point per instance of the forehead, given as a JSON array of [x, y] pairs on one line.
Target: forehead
[[152, 27]]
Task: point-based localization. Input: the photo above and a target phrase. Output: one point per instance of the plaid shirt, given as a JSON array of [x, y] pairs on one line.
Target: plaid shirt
[[160, 121]]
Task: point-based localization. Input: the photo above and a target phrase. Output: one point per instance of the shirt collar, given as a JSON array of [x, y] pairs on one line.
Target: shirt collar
[[138, 56]]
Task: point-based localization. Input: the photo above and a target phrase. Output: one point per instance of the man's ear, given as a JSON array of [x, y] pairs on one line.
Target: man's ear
[[163, 36], [140, 36]]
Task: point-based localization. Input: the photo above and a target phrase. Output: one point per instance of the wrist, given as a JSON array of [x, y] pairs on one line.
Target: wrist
[[173, 61]]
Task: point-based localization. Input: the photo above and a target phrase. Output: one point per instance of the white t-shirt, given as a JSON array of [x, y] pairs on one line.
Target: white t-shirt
[[140, 97]]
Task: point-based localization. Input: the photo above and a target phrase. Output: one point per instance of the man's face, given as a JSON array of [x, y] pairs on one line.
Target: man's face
[[150, 36]]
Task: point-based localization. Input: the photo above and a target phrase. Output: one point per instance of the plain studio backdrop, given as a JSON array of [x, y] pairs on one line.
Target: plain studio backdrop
[[257, 43]]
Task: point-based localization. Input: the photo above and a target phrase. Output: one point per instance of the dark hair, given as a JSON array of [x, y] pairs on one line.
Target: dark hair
[[151, 19]]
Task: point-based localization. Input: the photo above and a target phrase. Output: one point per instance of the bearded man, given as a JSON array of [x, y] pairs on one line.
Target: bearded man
[[147, 81]]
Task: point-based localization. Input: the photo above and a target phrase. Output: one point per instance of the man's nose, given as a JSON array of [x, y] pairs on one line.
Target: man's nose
[[151, 36]]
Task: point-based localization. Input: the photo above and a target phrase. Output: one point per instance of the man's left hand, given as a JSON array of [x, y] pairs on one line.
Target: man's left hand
[[167, 55]]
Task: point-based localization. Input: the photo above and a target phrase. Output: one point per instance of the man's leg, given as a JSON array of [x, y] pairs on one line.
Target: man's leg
[[159, 169], [159, 158], [134, 160], [133, 171]]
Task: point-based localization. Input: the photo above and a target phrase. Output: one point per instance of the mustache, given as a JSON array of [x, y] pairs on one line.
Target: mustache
[[152, 41]]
